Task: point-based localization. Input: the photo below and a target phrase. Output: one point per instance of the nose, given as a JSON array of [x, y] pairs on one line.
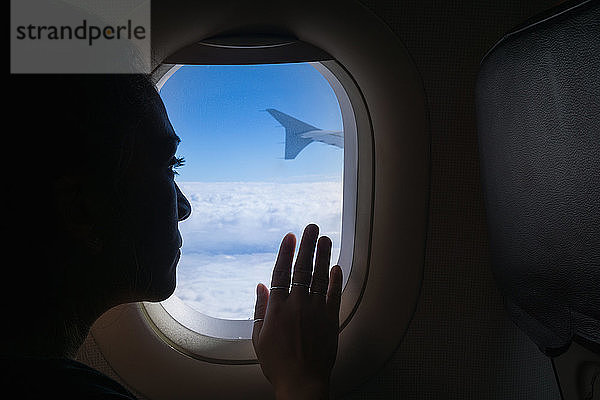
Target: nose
[[184, 208]]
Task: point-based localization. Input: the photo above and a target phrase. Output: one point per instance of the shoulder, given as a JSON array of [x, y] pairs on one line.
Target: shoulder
[[33, 377]]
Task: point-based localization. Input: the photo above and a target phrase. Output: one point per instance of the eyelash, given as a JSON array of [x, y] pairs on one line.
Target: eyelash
[[176, 162]]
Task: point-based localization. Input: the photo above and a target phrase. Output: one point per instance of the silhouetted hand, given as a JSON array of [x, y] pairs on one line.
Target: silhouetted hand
[[295, 334]]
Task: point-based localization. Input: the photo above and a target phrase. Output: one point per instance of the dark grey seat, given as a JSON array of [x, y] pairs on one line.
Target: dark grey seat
[[538, 111]]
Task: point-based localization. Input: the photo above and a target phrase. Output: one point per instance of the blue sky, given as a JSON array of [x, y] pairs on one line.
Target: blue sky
[[245, 197], [216, 111]]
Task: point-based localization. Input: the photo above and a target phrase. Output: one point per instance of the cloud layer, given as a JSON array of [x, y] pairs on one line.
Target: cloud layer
[[232, 238]]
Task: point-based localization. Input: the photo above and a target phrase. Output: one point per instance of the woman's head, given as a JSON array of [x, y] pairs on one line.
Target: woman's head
[[97, 205]]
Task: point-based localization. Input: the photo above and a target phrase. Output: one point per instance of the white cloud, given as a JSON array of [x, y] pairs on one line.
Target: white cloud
[[232, 237]]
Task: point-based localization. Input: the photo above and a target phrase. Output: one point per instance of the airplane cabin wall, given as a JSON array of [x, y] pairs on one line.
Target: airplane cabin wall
[[460, 343]]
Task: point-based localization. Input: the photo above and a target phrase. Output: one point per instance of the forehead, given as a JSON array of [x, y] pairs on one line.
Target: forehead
[[158, 130]]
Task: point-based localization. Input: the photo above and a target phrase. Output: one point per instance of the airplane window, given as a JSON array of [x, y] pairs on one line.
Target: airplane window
[[263, 156]]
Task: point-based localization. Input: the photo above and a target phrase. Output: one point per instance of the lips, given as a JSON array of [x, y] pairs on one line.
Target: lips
[[176, 260], [179, 239]]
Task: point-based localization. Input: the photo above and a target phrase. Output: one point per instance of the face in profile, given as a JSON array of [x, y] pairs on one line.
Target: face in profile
[[153, 206]]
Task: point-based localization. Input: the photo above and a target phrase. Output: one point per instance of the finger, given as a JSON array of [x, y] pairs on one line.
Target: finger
[[304, 261], [260, 310], [320, 278], [334, 293], [283, 267]]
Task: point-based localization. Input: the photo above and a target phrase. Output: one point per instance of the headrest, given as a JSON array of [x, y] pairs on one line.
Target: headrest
[[538, 111]]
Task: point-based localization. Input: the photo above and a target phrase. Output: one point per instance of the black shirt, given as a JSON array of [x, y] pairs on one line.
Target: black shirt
[[36, 377]]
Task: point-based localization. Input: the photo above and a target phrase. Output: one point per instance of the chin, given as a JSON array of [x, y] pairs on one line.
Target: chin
[[158, 283], [161, 289], [161, 294]]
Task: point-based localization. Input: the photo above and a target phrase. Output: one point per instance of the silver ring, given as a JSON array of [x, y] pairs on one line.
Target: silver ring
[[319, 293], [279, 288], [306, 285], [258, 319]]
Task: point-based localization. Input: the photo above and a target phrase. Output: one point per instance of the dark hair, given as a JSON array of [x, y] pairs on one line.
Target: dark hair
[[69, 120]]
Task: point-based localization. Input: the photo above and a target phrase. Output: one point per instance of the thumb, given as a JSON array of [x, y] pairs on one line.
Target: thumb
[[260, 309]]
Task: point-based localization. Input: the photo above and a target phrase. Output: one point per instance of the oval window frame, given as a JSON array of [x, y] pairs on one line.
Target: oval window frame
[[224, 341]]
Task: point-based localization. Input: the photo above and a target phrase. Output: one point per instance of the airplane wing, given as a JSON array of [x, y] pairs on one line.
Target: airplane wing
[[333, 138], [299, 134]]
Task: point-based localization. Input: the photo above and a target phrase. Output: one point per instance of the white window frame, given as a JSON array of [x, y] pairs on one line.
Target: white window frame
[[226, 341]]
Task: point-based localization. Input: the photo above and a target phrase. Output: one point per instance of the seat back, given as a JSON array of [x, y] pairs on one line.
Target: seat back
[[538, 111]]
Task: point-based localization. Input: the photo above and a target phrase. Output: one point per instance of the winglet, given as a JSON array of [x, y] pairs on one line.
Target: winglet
[[294, 128]]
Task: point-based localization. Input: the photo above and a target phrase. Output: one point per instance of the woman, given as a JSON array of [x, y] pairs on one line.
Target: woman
[[93, 219]]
